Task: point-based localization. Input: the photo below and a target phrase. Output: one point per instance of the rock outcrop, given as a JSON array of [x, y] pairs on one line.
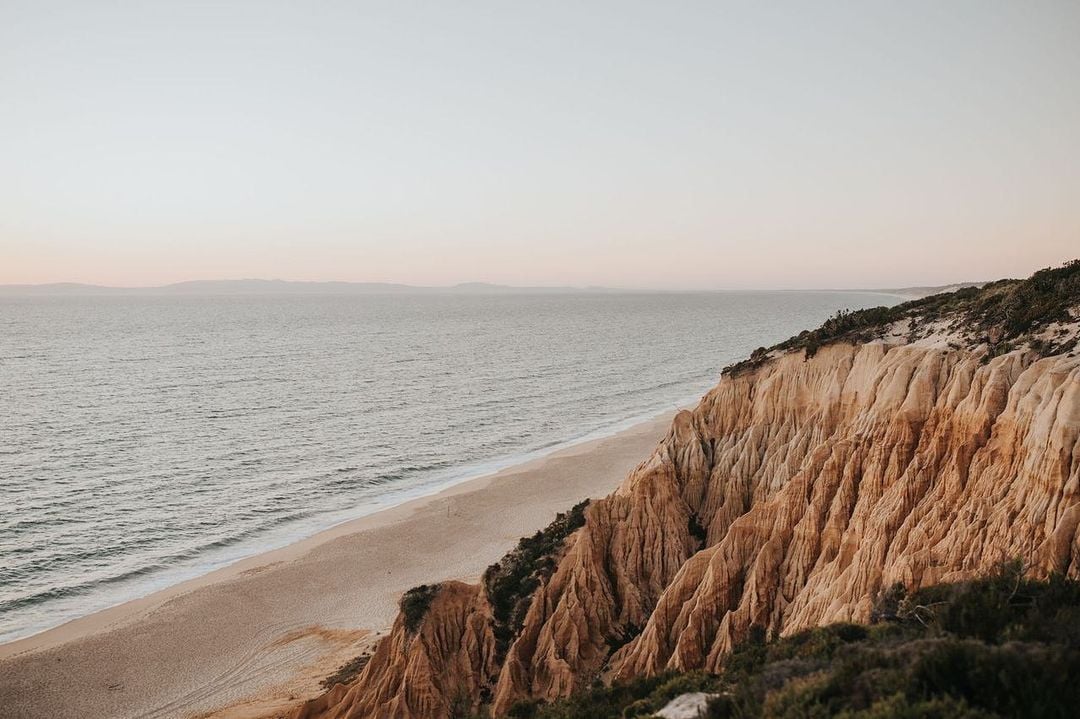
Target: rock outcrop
[[430, 671], [798, 489]]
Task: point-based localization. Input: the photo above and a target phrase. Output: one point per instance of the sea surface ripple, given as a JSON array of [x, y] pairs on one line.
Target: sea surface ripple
[[147, 440]]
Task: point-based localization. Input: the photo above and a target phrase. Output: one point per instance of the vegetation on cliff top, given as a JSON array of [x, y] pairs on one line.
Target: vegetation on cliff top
[[414, 605], [510, 583], [1002, 646], [998, 314]]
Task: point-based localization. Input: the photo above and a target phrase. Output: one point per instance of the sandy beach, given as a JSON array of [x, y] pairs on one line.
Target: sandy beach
[[252, 639]]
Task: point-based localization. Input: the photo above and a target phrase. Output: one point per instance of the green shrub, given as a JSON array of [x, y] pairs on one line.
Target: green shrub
[[1004, 606], [511, 582], [414, 605], [1000, 646]]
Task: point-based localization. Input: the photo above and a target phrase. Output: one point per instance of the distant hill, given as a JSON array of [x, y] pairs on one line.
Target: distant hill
[[289, 287], [917, 292], [260, 287]]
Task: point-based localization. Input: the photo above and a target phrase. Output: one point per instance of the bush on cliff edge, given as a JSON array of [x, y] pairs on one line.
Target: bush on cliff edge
[[1001, 646]]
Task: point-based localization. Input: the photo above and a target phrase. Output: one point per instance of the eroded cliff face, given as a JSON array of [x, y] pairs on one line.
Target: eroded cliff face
[[834, 478], [433, 671], [790, 496]]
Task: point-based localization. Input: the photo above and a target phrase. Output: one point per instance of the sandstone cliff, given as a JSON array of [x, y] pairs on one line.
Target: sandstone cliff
[[921, 447], [424, 671]]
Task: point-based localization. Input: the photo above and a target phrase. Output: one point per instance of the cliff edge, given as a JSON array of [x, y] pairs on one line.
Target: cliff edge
[[915, 444]]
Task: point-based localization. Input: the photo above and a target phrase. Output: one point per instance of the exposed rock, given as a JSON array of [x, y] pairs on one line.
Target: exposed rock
[[686, 706], [863, 467], [430, 673]]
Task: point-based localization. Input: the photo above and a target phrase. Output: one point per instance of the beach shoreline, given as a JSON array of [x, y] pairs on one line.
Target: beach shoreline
[[352, 521], [275, 622]]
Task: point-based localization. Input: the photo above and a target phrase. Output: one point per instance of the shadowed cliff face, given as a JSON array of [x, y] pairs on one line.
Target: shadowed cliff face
[[791, 495]]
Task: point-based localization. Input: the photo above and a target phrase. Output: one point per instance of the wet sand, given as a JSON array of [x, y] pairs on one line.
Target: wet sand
[[254, 638]]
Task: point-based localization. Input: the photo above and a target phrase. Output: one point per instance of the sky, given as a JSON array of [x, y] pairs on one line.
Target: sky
[[681, 145]]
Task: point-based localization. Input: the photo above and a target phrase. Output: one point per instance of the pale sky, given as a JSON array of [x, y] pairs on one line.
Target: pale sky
[[662, 144]]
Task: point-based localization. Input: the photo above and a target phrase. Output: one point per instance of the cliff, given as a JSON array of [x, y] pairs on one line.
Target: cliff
[[918, 444], [424, 670]]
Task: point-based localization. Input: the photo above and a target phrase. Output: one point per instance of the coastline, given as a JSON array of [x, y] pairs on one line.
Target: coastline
[[172, 579], [277, 622], [396, 497]]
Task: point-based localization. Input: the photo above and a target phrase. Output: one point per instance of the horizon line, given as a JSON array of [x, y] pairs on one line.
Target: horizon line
[[254, 284]]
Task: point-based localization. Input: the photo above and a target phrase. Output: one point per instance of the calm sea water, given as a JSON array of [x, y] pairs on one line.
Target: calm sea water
[[146, 440]]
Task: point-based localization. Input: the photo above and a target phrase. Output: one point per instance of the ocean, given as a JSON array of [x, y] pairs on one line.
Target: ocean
[[145, 440]]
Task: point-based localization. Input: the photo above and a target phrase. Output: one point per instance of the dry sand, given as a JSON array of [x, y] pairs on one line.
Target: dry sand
[[254, 638]]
